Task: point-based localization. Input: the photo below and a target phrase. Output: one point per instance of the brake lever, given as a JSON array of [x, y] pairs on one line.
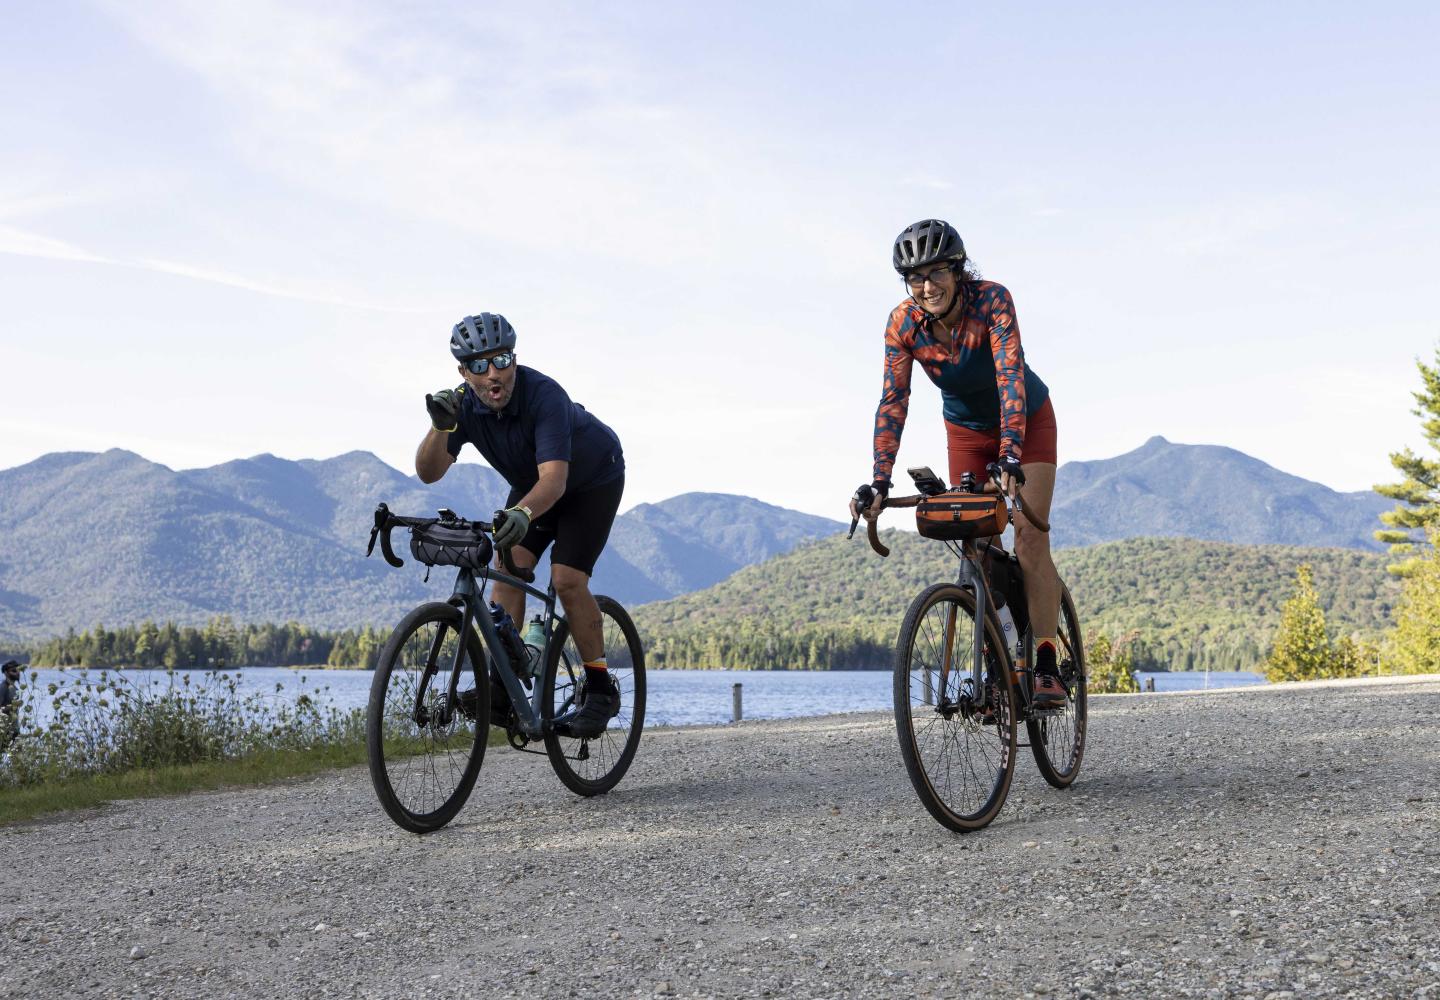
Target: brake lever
[[381, 513], [863, 497], [519, 572], [1016, 502]]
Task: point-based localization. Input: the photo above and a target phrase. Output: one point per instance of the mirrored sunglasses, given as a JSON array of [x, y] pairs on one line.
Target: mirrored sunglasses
[[479, 366]]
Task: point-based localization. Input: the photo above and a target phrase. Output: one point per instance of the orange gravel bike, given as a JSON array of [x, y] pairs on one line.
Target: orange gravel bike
[[963, 681]]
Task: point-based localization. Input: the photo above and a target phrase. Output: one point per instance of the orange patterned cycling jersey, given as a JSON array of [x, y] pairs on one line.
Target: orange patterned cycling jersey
[[983, 380]]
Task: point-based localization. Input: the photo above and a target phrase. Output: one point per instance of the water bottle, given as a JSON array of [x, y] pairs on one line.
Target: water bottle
[[509, 637], [534, 643]]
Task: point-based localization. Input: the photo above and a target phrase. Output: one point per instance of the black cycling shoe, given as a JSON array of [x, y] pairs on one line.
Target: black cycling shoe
[[597, 707], [499, 703], [467, 702]]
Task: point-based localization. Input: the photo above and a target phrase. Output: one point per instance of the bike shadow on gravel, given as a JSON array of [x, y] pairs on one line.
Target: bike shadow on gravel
[[774, 791], [1240, 787]]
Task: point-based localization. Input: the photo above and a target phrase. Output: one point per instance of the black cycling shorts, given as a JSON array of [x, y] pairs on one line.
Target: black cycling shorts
[[579, 525]]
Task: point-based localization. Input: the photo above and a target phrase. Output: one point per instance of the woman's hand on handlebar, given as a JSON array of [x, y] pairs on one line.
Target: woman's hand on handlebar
[[869, 500], [1008, 474]]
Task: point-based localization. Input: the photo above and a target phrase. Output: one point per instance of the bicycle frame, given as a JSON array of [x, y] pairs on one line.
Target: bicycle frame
[[972, 577], [469, 596], [968, 577]]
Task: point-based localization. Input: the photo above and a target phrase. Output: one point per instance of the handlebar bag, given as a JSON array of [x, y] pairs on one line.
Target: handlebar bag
[[439, 545], [955, 515]]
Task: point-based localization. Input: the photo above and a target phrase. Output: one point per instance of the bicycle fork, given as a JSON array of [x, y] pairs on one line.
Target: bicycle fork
[[972, 579], [420, 713]]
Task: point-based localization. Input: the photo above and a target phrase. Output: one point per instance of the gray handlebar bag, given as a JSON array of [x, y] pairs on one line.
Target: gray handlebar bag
[[438, 545]]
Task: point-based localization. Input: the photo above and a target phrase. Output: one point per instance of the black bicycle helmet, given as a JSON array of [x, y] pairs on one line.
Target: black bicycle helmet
[[925, 242], [478, 334]]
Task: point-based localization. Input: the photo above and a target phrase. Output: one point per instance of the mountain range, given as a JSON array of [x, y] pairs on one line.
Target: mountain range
[[1205, 492], [114, 538]]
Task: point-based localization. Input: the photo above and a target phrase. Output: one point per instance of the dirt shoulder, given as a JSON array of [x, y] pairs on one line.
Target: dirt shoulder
[[1262, 843]]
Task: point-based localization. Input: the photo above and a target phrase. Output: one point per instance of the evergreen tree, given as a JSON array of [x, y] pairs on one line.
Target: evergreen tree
[[1414, 646], [1302, 649], [1419, 490]]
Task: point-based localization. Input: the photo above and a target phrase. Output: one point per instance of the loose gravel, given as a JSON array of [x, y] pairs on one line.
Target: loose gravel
[[1264, 843]]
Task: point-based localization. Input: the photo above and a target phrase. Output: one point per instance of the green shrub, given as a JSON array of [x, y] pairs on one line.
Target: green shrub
[[107, 724], [1108, 664]]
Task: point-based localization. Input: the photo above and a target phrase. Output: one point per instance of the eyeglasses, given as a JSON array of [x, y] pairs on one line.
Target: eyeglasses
[[916, 280], [479, 366]]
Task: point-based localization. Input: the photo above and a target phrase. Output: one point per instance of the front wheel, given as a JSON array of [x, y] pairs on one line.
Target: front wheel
[[425, 747], [960, 757], [1057, 737], [593, 766]]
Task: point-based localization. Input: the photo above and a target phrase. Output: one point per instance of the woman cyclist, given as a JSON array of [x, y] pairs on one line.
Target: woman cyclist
[[963, 332]]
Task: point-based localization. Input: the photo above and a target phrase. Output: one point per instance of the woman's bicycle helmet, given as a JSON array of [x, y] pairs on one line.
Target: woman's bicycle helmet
[[925, 242]]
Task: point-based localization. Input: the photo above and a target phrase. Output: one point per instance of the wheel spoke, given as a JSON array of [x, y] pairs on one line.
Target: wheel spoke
[[959, 761], [607, 755], [1058, 740], [423, 770]]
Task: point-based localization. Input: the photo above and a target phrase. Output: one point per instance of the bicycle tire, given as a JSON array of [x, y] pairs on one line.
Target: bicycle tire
[[448, 753], [594, 766], [1058, 741], [942, 746]]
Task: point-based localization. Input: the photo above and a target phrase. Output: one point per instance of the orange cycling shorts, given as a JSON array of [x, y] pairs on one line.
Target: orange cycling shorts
[[972, 450]]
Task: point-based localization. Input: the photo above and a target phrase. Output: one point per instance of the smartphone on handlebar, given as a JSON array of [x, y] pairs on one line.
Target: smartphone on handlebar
[[926, 481]]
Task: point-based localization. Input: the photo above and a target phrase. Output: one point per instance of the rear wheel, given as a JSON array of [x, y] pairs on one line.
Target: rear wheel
[[1057, 737], [960, 758], [595, 765], [426, 748]]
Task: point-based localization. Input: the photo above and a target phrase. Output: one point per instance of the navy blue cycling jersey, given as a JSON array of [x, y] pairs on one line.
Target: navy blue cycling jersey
[[539, 424]]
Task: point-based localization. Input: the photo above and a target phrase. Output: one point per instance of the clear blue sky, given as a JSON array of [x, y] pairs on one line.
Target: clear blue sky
[[235, 228]]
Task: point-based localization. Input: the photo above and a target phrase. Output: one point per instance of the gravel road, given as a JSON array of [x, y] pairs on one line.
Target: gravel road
[[1270, 842]]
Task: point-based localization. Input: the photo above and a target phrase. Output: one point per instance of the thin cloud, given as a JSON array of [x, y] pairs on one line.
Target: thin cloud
[[21, 243], [264, 288], [534, 132], [929, 183]]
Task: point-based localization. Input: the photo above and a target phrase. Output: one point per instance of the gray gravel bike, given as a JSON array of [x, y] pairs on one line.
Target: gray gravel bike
[[963, 681], [445, 674]]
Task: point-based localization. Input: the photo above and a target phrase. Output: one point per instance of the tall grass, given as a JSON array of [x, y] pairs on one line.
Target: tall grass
[[107, 724]]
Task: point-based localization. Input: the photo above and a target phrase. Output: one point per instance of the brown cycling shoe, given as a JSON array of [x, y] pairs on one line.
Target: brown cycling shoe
[[1049, 692]]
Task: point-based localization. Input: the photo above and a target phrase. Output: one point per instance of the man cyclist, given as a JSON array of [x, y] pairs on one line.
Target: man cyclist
[[9, 715], [963, 332], [566, 473]]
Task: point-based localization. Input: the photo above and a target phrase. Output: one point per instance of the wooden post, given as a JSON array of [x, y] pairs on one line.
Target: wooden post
[[735, 711]]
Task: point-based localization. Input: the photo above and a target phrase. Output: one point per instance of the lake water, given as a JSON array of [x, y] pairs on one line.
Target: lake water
[[675, 697]]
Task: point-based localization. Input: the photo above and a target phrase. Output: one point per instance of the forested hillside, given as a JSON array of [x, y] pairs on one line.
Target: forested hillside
[[1183, 604]]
